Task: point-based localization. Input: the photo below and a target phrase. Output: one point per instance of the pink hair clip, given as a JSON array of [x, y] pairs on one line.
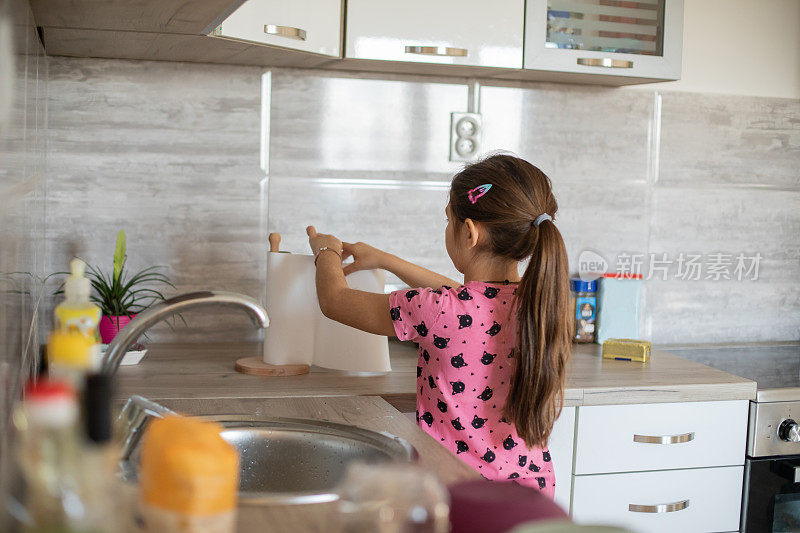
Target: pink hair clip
[[477, 192]]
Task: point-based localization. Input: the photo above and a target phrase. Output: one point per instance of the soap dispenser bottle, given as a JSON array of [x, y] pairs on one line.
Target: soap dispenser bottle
[[77, 315]]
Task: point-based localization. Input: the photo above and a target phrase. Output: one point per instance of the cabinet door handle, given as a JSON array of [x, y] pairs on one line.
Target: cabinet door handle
[[437, 51], [605, 62], [664, 439], [659, 507], [285, 31]]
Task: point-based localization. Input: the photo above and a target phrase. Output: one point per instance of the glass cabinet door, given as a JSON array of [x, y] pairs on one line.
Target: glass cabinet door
[[606, 37]]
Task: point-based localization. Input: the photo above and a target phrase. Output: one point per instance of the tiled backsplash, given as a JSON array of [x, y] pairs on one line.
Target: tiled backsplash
[[22, 205], [172, 154]]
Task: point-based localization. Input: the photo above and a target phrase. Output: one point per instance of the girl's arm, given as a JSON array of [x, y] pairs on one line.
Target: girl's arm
[[362, 310], [367, 257]]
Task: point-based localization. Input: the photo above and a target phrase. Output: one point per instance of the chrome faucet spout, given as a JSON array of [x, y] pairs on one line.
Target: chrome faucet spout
[[161, 310]]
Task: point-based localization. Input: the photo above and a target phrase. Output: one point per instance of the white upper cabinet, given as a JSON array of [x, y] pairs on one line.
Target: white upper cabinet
[[307, 25], [458, 32], [640, 39]]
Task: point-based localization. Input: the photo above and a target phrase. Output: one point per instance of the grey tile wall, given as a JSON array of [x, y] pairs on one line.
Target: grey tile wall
[[593, 144], [172, 152], [722, 140], [728, 182], [22, 203]]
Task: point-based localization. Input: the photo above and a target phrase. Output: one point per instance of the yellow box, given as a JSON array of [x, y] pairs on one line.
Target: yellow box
[[626, 350]]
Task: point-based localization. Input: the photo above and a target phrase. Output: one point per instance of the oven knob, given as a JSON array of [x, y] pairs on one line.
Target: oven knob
[[789, 431]]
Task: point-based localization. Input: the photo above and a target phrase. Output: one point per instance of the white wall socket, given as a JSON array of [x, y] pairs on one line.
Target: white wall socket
[[466, 132]]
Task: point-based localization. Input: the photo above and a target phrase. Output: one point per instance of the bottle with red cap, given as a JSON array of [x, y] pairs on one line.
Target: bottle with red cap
[[48, 451], [67, 458]]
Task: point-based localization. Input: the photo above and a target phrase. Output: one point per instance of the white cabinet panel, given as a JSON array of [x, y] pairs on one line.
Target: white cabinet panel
[[614, 438], [561, 446], [643, 40], [308, 25], [711, 496], [460, 32]]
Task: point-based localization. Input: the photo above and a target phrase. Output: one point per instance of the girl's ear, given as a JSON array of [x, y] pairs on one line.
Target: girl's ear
[[471, 234]]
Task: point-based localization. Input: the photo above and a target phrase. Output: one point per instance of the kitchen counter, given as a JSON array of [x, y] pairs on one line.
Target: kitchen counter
[[196, 371], [368, 412]]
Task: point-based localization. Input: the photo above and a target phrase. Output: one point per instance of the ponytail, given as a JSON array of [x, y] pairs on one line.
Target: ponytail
[[512, 215], [543, 345]]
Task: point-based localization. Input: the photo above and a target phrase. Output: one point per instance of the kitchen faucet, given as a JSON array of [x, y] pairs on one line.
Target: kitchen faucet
[[161, 310]]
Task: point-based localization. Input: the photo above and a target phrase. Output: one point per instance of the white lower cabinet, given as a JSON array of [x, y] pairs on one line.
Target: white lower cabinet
[[685, 501], [652, 468], [561, 446]]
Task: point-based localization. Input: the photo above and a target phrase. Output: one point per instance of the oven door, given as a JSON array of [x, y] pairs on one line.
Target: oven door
[[771, 501]]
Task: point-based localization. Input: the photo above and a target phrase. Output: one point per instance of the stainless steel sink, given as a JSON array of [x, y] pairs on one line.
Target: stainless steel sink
[[293, 461]]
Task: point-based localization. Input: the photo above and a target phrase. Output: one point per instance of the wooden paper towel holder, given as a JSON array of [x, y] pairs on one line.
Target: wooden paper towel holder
[[255, 365]]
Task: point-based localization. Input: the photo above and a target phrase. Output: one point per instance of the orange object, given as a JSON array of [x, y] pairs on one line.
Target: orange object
[[187, 468]]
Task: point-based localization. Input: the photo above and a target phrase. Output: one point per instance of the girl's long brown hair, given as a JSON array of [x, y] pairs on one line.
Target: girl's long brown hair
[[521, 192]]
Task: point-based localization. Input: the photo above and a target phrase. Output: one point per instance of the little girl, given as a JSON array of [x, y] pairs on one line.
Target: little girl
[[493, 350]]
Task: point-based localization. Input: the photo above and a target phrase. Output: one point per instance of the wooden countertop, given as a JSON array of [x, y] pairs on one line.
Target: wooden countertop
[[368, 412], [194, 371]]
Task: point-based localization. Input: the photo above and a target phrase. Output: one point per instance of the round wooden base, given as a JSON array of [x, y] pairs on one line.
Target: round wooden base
[[257, 367]]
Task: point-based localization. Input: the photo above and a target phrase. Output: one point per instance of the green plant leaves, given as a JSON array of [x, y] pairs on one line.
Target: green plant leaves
[[121, 294], [119, 255]]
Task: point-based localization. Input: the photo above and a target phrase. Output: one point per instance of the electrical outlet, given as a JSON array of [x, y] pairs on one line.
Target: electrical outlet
[[466, 131]]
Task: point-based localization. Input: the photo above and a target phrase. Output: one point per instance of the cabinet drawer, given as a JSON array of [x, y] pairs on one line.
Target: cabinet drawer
[[699, 499], [459, 32], [629, 438]]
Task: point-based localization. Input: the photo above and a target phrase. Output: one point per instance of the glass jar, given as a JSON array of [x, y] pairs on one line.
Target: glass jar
[[584, 309], [392, 498]]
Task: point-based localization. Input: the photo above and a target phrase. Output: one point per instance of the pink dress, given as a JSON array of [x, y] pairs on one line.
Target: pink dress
[[466, 337]]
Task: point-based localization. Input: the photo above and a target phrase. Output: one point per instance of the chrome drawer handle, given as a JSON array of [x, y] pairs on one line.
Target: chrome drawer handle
[[664, 439], [437, 51], [285, 31], [659, 508], [604, 62]]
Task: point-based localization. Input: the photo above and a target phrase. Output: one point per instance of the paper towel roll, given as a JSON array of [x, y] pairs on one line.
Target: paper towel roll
[[300, 333], [292, 306], [344, 348]]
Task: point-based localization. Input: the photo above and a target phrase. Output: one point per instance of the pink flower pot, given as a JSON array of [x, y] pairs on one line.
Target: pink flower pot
[[110, 325]]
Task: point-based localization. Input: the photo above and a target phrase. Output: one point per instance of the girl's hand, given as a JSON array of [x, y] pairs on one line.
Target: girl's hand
[[365, 257], [320, 240]]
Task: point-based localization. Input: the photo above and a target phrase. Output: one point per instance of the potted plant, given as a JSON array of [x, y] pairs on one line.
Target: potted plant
[[120, 295]]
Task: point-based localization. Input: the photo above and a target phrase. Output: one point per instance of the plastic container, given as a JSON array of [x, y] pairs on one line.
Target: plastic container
[[619, 306], [584, 306]]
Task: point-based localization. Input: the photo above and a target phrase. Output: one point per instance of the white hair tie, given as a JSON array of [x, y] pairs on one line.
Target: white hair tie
[[541, 218]]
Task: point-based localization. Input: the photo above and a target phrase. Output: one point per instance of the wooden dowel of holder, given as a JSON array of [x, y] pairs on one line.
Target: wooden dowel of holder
[[274, 242]]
